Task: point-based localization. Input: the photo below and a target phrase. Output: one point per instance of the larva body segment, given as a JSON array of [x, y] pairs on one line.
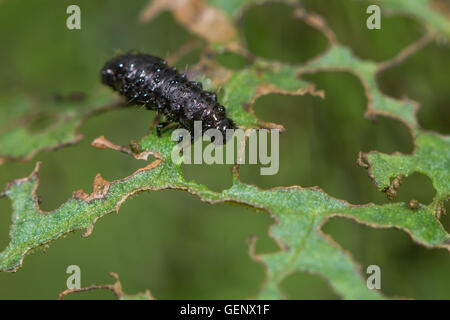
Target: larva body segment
[[148, 80]]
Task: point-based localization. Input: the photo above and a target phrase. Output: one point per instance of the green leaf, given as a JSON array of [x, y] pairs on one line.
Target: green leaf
[[299, 213]]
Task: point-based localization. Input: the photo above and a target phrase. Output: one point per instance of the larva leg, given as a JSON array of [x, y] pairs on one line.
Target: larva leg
[[212, 95], [161, 126]]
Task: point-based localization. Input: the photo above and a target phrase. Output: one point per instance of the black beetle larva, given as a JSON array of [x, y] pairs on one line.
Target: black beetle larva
[[148, 80]]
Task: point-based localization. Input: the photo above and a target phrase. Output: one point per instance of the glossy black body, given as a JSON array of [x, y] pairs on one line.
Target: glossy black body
[[148, 80]]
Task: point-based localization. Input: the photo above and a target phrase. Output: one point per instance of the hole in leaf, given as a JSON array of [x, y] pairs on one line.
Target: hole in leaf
[[323, 137], [74, 168], [445, 219], [271, 31], [232, 60], [306, 286], [195, 250], [188, 60], [421, 78], [407, 269], [348, 20], [416, 186]]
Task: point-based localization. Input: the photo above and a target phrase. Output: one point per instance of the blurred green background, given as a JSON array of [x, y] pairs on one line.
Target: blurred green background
[[169, 241]]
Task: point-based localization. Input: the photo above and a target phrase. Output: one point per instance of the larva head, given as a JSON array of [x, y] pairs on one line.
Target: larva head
[[113, 71], [214, 117], [223, 125], [126, 65]]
